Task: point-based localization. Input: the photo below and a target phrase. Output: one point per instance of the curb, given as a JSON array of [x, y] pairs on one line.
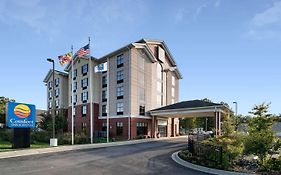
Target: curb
[[29, 152], [203, 169]]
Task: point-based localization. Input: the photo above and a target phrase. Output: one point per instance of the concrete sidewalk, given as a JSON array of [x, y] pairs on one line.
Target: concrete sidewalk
[[28, 152]]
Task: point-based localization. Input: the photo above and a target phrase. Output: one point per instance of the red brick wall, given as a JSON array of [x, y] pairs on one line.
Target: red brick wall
[[79, 119], [112, 129]]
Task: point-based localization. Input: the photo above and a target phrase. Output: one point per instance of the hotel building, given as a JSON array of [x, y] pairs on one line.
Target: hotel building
[[140, 77]]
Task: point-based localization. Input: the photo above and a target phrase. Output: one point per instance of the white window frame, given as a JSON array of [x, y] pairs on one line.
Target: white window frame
[[120, 59], [120, 91], [84, 96], [85, 68], [120, 107], [84, 82], [120, 75], [84, 109]]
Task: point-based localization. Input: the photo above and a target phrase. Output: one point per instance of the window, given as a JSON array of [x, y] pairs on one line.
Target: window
[[120, 76], [57, 81], [84, 69], [50, 84], [120, 92], [57, 103], [84, 126], [84, 83], [57, 92], [120, 60], [141, 128], [84, 110], [50, 104], [84, 96], [119, 128], [173, 81], [142, 110], [74, 111], [57, 112], [104, 126], [75, 86], [173, 101], [74, 74], [104, 95], [119, 108], [104, 110], [50, 94], [75, 99], [104, 81]]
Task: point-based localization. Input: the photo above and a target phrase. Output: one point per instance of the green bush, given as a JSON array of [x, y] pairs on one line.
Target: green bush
[[7, 135], [272, 165], [40, 136], [66, 139]]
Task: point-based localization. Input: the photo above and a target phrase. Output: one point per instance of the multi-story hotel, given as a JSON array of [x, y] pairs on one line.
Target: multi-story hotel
[[140, 77]]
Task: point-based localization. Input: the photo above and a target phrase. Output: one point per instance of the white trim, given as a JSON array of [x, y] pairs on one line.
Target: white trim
[[173, 112], [124, 116], [188, 109]]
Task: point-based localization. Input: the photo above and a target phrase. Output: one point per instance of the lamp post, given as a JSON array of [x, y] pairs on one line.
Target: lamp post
[[53, 141], [235, 107]]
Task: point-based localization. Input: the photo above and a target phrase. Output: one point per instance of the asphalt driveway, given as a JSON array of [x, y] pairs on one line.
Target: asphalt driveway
[[144, 158]]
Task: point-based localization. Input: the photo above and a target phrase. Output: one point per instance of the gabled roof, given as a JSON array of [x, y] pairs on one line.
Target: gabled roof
[[56, 72], [104, 58], [188, 105], [163, 44], [143, 45]]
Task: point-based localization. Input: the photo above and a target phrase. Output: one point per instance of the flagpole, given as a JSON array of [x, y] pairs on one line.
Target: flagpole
[[91, 91], [72, 98], [107, 116]]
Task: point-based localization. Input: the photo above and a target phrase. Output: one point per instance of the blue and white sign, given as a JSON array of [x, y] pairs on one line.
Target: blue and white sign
[[101, 67], [21, 115]]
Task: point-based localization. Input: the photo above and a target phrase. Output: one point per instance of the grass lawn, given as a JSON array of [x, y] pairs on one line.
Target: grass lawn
[[7, 146]]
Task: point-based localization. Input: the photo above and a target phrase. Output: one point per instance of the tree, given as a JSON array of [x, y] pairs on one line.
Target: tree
[[47, 123], [261, 136], [228, 125], [3, 103], [207, 100]]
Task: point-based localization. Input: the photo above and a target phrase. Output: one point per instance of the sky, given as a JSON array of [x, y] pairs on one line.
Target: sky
[[226, 50]]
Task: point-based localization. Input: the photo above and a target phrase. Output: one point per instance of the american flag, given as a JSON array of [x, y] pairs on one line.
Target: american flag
[[65, 58], [83, 51]]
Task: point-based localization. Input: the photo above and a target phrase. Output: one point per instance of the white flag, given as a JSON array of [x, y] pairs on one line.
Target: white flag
[[101, 67]]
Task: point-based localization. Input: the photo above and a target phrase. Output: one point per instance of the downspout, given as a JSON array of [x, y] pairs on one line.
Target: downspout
[[130, 96]]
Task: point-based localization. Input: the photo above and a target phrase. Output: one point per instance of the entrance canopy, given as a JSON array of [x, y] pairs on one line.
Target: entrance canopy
[[189, 109]]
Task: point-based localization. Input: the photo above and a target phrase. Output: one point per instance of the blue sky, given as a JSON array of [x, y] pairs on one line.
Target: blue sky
[[226, 50]]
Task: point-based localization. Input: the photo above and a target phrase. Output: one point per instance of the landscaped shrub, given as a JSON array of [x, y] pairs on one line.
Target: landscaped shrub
[[272, 165], [66, 139], [40, 136], [7, 135]]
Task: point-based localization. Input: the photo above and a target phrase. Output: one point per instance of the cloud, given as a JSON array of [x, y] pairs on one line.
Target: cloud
[[199, 10], [270, 16], [217, 3], [180, 15], [28, 12], [267, 24]]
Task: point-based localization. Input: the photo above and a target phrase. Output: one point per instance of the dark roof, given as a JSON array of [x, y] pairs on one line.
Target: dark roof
[[188, 104]]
